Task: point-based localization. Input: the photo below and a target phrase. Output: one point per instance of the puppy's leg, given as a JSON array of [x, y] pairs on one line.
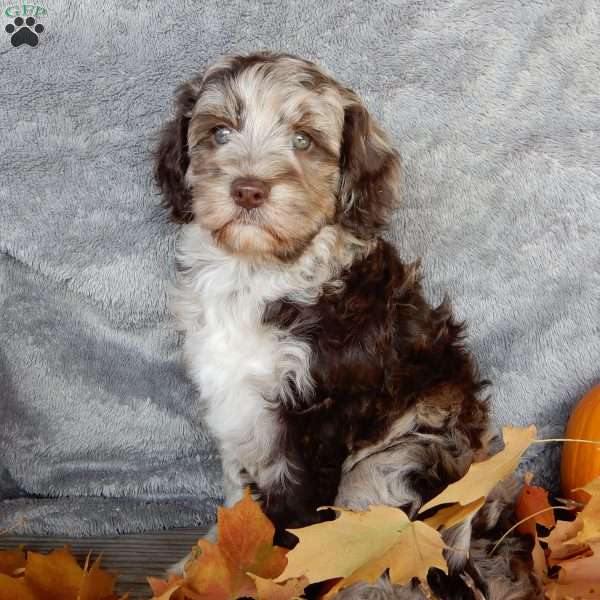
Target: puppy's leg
[[285, 492], [383, 590], [411, 470], [507, 574], [425, 449], [235, 480]]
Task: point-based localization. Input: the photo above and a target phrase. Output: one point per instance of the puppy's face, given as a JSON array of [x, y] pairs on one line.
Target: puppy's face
[[264, 154], [261, 154]]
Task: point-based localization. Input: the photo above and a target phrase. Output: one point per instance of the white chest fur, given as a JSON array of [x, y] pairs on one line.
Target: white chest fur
[[242, 366]]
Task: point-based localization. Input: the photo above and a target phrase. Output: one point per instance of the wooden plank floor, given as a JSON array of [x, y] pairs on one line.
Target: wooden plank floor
[[132, 557]]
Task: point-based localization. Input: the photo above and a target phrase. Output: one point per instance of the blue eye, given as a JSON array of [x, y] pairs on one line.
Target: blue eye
[[301, 140], [222, 134]]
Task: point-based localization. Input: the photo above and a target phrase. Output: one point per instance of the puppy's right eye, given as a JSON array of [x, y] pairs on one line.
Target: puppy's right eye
[[222, 134], [301, 140]]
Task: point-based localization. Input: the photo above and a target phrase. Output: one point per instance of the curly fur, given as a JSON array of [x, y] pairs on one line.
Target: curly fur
[[324, 373]]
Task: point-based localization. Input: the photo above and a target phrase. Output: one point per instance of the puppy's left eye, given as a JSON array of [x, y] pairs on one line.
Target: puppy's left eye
[[301, 140], [222, 134]]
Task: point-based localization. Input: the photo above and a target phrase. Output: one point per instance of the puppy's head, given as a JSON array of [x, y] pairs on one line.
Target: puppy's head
[[266, 149]]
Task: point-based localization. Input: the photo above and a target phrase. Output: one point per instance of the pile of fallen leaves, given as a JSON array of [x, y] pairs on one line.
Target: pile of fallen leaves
[[567, 560], [56, 575], [355, 547]]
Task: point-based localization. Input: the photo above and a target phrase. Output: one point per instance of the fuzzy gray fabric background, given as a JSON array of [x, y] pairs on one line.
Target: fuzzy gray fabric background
[[494, 106]]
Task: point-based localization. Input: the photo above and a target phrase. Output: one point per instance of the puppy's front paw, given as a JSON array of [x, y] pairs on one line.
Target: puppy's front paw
[[179, 567]]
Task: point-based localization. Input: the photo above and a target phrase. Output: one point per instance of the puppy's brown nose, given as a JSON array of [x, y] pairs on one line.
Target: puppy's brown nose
[[249, 193]]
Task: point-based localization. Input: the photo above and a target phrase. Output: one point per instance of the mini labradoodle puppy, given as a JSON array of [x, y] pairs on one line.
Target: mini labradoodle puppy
[[325, 375]]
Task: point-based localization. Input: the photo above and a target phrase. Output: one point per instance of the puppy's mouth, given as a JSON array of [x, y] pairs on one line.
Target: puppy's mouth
[[251, 219]]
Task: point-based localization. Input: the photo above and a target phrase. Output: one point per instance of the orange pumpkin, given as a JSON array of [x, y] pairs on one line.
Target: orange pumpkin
[[581, 462]]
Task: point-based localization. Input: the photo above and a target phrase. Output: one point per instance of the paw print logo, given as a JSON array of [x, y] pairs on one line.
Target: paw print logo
[[24, 32]]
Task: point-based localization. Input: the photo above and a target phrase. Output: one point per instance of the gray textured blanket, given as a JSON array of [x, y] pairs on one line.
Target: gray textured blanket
[[494, 105]]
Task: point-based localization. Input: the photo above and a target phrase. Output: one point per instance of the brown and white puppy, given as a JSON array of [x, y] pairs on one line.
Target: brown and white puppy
[[324, 374]]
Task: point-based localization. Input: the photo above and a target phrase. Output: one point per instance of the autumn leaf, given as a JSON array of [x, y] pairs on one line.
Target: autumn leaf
[[11, 560], [267, 589], [360, 546], [167, 590], [562, 541], [574, 546], [584, 568], [590, 515], [212, 578], [531, 501], [580, 590], [96, 584], [221, 571], [579, 577], [482, 477], [53, 576], [454, 514], [538, 556], [15, 589], [246, 539]]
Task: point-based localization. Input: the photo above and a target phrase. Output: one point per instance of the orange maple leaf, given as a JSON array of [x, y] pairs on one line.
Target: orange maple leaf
[[532, 500], [160, 586], [53, 576], [210, 576], [246, 539], [167, 590], [11, 560], [221, 571], [15, 589]]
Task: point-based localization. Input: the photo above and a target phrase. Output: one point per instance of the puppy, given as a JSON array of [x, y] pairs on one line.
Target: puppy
[[325, 376]]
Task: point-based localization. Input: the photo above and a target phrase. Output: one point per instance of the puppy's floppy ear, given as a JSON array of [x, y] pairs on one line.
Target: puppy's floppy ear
[[172, 158], [371, 174]]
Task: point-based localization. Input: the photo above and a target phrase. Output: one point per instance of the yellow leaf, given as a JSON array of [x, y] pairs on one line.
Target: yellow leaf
[[562, 541], [482, 477], [454, 514], [267, 589], [360, 546], [590, 515]]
